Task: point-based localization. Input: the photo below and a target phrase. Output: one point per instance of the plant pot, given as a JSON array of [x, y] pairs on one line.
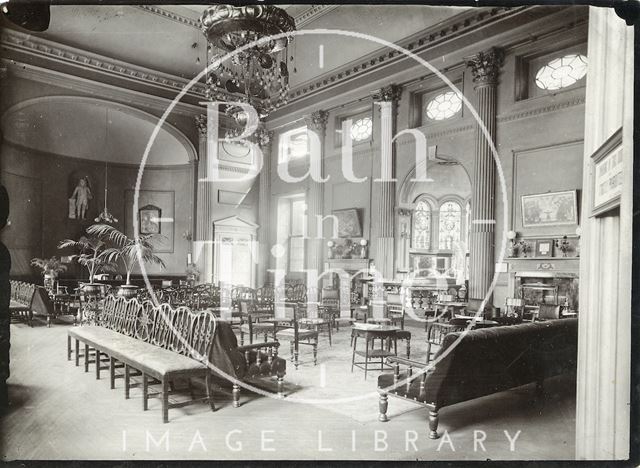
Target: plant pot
[[93, 289], [127, 291]]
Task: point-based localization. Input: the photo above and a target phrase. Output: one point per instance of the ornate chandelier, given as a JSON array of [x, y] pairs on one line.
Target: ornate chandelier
[[259, 74]]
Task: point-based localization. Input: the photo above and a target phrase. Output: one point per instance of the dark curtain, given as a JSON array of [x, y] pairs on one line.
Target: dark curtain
[[5, 293]]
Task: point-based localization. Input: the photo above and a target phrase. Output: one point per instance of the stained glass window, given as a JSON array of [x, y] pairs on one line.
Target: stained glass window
[[361, 129], [562, 72], [421, 238], [450, 225], [444, 106]]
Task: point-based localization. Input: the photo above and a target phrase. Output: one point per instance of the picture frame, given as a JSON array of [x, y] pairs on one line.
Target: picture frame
[[349, 222], [607, 167], [550, 209], [544, 248], [149, 219]]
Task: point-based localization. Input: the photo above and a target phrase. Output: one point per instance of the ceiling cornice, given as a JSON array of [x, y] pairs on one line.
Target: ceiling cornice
[[303, 19], [169, 15], [313, 13], [442, 32], [29, 45]]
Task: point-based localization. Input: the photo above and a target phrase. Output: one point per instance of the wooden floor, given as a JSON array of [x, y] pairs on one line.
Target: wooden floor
[[60, 412]]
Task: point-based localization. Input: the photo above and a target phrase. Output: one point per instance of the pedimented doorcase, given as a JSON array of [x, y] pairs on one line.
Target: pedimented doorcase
[[234, 252]]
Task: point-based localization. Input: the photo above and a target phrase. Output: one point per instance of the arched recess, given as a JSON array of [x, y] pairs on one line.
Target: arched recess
[[76, 126], [407, 194]]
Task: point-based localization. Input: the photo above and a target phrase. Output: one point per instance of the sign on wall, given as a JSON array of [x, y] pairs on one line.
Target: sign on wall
[[606, 175]]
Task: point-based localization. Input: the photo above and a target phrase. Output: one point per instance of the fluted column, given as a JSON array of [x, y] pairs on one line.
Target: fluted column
[[203, 251], [387, 100], [264, 207], [317, 123], [485, 67]]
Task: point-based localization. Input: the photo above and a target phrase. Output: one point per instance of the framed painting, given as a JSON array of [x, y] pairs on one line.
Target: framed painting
[[349, 224], [544, 248], [550, 209], [606, 175], [149, 217]]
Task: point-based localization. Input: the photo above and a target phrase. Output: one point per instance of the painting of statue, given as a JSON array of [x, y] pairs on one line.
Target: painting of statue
[[79, 201]]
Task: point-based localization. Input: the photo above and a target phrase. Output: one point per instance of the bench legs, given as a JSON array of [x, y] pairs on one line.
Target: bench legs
[[280, 385], [68, 348], [433, 424], [383, 404], [86, 357], [209, 385], [145, 392], [98, 357], [236, 395], [77, 352], [127, 381], [165, 401], [112, 372]]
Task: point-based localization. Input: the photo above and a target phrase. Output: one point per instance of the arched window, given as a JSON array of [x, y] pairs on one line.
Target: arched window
[[421, 235], [449, 228]]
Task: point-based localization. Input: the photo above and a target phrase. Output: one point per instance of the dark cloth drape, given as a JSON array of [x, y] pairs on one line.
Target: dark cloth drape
[[5, 293]]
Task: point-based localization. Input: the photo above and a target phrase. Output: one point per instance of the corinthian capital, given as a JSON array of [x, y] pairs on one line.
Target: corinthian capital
[[317, 120], [263, 137], [201, 123], [485, 66], [389, 93]]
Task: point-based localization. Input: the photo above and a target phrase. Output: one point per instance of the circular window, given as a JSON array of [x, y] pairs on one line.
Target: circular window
[[361, 129], [444, 106], [562, 72]]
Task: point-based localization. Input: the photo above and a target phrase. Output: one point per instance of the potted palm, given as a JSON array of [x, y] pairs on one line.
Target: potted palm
[[93, 256], [50, 268], [127, 250]]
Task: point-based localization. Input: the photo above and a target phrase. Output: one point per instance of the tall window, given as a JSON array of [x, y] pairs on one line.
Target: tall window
[[449, 228], [297, 224], [421, 236], [293, 144]]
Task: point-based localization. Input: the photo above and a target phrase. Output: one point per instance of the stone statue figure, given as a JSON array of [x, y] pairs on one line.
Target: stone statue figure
[[79, 201]]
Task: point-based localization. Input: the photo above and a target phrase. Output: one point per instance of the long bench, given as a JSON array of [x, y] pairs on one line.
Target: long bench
[[165, 343], [161, 342]]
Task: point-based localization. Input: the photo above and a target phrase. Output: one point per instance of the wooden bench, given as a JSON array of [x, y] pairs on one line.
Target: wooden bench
[[160, 342]]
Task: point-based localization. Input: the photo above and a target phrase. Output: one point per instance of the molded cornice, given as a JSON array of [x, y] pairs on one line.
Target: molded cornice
[[29, 45]]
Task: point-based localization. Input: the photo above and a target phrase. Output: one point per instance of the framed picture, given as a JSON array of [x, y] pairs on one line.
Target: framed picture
[[606, 175], [149, 219], [550, 209], [349, 224], [544, 248]]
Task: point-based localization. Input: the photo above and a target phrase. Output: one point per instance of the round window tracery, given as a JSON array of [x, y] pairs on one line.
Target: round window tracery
[[444, 106], [562, 72], [361, 129]]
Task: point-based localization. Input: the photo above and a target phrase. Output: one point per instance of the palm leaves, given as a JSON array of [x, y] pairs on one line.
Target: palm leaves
[[126, 249], [51, 266], [93, 254]]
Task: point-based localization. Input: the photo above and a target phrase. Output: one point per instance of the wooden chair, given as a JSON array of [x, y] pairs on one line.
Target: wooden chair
[[251, 322], [437, 331], [287, 327], [395, 309]]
